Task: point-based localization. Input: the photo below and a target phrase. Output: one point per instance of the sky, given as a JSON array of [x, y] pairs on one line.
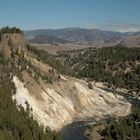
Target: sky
[[113, 15]]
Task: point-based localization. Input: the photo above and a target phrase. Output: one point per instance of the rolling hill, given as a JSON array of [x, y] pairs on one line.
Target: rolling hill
[[47, 39], [76, 35]]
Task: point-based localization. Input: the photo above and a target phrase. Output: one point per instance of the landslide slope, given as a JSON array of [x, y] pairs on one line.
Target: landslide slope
[[66, 99]]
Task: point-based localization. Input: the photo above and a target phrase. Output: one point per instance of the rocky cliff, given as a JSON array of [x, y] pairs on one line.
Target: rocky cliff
[[67, 99], [12, 42]]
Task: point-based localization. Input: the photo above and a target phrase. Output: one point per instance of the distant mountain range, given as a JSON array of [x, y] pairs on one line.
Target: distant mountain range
[[47, 39], [75, 35]]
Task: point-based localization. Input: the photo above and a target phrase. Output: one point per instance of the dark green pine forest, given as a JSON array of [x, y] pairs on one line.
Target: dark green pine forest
[[118, 67]]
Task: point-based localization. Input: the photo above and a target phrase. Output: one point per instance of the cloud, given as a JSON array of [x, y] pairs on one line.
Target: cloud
[[121, 26], [116, 26]]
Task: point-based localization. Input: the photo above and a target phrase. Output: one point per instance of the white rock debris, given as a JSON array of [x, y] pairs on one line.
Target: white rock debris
[[63, 78], [65, 101]]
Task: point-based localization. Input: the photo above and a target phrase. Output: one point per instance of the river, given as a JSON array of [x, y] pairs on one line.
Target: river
[[74, 131]]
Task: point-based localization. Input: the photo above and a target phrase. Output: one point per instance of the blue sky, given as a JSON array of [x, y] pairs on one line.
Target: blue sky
[[116, 15]]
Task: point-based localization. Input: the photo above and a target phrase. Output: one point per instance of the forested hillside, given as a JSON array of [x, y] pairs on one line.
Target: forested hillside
[[117, 66], [127, 128], [14, 124], [17, 124], [51, 60]]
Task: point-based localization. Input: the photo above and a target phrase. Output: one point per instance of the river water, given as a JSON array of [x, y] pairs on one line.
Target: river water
[[74, 131]]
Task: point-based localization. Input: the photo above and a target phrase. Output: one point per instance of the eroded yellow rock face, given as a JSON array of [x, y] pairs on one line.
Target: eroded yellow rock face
[[68, 99], [15, 40]]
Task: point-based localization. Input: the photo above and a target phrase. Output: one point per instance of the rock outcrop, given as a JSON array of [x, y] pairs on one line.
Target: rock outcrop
[[12, 42]]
